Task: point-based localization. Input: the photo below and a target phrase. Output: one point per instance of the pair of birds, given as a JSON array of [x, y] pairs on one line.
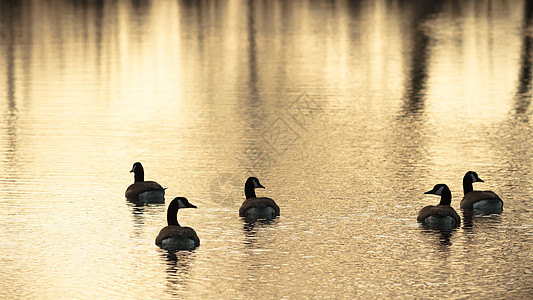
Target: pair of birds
[[483, 202], [175, 236]]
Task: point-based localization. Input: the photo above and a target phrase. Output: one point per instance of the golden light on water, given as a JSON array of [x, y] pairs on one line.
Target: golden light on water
[[346, 111]]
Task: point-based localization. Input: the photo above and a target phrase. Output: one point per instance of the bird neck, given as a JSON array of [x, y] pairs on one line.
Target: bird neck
[[467, 184], [172, 214], [249, 190], [139, 175], [446, 197]]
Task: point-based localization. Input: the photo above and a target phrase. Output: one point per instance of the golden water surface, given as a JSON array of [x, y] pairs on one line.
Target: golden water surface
[[346, 111]]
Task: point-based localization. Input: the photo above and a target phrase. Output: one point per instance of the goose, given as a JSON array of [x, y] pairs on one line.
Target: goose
[[257, 208], [174, 236], [442, 214], [479, 201], [144, 191]]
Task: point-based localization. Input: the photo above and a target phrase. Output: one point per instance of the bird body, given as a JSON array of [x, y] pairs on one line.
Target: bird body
[[254, 207], [177, 237], [435, 215], [144, 191], [174, 236], [259, 208], [483, 202], [442, 214]]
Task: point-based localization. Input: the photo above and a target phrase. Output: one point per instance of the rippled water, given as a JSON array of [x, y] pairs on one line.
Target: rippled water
[[347, 113]]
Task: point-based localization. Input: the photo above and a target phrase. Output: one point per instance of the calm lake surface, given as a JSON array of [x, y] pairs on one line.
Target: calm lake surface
[[347, 112]]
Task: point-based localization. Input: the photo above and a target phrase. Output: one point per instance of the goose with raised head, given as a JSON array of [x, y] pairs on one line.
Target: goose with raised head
[[174, 236], [442, 214], [144, 191], [485, 202], [254, 207]]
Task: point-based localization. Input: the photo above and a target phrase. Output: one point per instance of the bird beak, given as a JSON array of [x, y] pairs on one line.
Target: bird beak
[[260, 186], [429, 192], [192, 206]]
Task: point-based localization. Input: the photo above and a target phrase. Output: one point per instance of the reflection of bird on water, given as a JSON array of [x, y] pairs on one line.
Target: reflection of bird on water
[[178, 264]]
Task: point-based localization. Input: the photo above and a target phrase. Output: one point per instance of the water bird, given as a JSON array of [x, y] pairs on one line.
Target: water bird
[[254, 207], [442, 214], [144, 191], [484, 202], [174, 236]]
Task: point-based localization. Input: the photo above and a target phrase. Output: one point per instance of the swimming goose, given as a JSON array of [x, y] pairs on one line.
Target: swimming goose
[[144, 191], [257, 208], [481, 201], [174, 236], [442, 214]]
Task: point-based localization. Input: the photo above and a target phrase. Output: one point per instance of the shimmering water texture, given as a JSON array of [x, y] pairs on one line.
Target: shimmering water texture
[[346, 111]]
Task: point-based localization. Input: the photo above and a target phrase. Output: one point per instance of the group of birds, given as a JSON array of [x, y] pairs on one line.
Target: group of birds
[[478, 202], [177, 237]]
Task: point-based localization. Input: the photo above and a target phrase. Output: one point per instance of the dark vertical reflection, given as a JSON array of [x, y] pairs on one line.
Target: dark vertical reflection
[[443, 237], [200, 20], [284, 42], [140, 11], [407, 151], [523, 95], [419, 56], [11, 19], [356, 12], [252, 52], [257, 153], [204, 33], [10, 60], [99, 25], [137, 211], [513, 139], [141, 6], [82, 9], [191, 16], [106, 37], [178, 268]]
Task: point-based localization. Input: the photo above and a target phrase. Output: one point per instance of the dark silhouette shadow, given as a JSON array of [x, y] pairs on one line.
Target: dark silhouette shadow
[[443, 235], [137, 203], [407, 145], [474, 225], [252, 51], [257, 155], [419, 56], [250, 228], [15, 19], [523, 93], [178, 266], [138, 211], [470, 218], [250, 223]]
